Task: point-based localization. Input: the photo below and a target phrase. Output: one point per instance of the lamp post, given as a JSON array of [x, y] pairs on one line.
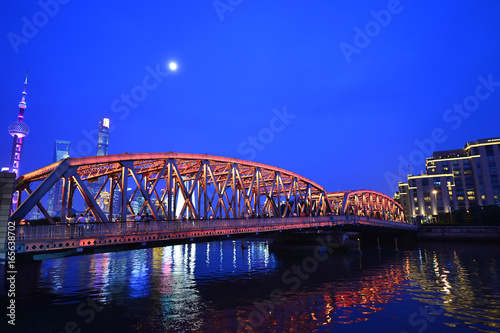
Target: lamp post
[[436, 197], [451, 203]]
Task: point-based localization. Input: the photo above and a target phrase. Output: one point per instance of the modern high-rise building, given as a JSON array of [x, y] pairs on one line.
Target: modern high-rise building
[[102, 150], [180, 201], [19, 130], [137, 201], [61, 151], [103, 138], [455, 180], [103, 201]]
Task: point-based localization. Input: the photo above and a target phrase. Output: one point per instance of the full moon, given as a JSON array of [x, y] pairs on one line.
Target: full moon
[[172, 66]]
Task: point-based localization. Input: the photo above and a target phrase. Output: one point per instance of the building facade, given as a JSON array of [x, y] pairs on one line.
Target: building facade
[[102, 150], [103, 137], [61, 151], [454, 180]]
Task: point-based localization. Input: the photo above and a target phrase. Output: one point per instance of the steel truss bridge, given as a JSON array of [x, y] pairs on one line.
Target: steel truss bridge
[[212, 196]]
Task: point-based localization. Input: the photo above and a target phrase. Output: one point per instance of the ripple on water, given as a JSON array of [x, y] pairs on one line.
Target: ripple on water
[[218, 287]]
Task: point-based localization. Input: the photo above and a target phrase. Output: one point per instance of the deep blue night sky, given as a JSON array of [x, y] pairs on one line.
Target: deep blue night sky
[[341, 107]]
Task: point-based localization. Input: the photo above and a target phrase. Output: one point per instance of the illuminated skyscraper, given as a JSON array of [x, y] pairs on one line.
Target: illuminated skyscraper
[[102, 150], [18, 130], [61, 151], [103, 201], [137, 201], [103, 139]]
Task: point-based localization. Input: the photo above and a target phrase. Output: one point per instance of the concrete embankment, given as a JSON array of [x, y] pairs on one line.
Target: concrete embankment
[[459, 233]]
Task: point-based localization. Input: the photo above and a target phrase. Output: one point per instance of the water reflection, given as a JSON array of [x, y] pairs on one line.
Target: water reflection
[[322, 303], [219, 287], [463, 281]]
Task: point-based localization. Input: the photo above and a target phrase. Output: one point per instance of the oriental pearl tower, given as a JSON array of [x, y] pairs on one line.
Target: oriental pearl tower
[[18, 130]]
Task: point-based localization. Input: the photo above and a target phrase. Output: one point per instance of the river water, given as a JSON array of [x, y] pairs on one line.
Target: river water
[[220, 287]]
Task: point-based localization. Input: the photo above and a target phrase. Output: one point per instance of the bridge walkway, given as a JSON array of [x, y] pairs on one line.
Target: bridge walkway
[[53, 238]]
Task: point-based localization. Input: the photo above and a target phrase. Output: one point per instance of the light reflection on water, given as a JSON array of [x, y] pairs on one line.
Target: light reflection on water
[[464, 285], [220, 287]]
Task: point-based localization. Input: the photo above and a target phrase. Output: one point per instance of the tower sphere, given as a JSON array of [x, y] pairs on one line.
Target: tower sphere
[[19, 128]]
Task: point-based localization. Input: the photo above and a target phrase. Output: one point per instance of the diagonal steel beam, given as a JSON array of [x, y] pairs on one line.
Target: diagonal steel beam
[[96, 210], [37, 195]]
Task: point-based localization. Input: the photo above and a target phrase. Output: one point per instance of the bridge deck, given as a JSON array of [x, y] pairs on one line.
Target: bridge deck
[[51, 238]]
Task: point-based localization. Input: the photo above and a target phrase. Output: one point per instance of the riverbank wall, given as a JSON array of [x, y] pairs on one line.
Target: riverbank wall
[[476, 233]]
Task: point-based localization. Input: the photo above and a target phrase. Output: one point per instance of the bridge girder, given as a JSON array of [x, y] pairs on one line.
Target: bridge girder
[[366, 203], [170, 184]]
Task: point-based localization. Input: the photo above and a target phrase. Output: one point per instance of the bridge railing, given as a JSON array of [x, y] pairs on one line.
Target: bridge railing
[[27, 233]]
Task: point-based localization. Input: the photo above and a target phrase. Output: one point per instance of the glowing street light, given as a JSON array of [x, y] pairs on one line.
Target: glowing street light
[[436, 196]]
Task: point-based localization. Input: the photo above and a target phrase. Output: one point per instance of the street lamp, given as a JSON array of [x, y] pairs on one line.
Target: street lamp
[[436, 197], [451, 203]]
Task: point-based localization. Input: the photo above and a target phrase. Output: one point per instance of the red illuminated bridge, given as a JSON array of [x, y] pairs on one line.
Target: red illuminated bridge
[[187, 196]]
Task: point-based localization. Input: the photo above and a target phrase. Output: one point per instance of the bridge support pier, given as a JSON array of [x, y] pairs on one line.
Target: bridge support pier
[[309, 241], [388, 240], [6, 190]]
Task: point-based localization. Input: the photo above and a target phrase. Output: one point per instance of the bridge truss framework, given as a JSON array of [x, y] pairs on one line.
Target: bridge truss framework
[[174, 185]]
